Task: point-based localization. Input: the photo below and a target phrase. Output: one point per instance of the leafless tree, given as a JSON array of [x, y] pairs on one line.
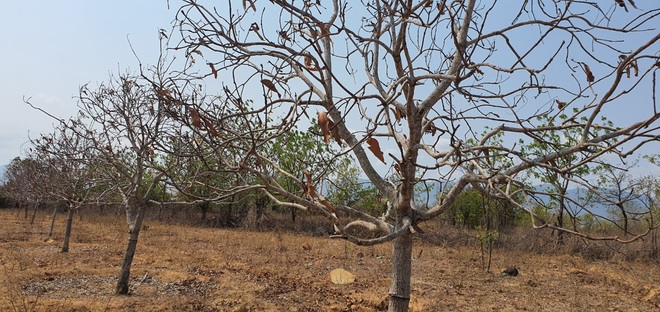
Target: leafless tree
[[125, 125], [419, 91], [69, 161], [24, 183]]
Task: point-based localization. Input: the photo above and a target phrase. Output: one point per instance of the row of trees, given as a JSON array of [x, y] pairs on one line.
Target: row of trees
[[462, 94]]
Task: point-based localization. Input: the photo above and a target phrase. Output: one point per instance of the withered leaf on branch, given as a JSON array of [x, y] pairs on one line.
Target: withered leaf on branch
[[431, 128], [328, 128], [309, 187], [198, 52], [196, 120], [309, 64], [374, 147], [398, 114], [325, 31], [213, 70], [328, 205], [210, 127], [622, 4], [632, 64], [590, 75], [324, 125], [284, 35], [560, 104], [271, 86], [245, 2], [397, 167]]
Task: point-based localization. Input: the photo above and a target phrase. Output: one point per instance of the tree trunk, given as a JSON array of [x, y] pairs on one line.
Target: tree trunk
[[399, 297], [293, 215], [67, 231], [52, 222], [125, 273], [34, 213]]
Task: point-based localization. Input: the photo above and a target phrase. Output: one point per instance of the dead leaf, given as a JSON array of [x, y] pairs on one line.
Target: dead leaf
[[328, 205], [324, 124], [374, 146], [325, 31], [213, 70], [251, 5], [441, 7], [198, 52], [196, 121], [590, 75], [632, 3], [271, 86], [397, 167], [210, 127], [310, 188], [309, 64], [621, 4], [431, 128], [334, 131], [285, 36], [398, 114], [561, 104]]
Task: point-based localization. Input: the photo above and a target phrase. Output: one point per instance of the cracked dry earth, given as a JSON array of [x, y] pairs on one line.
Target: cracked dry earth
[[179, 268]]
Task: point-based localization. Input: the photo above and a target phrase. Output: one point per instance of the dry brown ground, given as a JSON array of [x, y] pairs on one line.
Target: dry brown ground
[[179, 268]]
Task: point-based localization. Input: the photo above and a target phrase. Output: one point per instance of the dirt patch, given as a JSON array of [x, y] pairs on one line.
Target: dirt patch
[[180, 268]]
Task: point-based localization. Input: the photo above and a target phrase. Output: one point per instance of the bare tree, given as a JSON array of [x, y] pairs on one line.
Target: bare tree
[[69, 162], [407, 86], [25, 183], [124, 124]]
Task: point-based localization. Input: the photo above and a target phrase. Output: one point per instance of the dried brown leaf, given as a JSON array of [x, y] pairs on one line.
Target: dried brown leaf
[[560, 104], [374, 147], [213, 70], [251, 5], [309, 64], [325, 31], [324, 124], [198, 52], [271, 86], [328, 205], [196, 120], [590, 75], [209, 126]]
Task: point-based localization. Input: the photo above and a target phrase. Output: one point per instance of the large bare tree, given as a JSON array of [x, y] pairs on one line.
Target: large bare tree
[[419, 91], [125, 126]]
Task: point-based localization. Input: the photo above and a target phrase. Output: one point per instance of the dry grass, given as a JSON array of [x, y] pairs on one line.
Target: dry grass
[[179, 268]]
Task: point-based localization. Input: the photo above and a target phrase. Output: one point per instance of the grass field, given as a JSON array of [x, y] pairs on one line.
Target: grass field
[[179, 268]]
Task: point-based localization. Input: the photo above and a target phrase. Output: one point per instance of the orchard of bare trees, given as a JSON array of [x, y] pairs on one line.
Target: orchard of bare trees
[[378, 115]]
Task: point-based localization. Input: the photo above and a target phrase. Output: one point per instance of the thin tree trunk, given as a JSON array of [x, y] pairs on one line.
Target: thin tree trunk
[[67, 231], [52, 222], [399, 297], [125, 273], [34, 213]]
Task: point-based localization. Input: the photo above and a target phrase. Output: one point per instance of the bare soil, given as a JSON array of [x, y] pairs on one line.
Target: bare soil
[[179, 268]]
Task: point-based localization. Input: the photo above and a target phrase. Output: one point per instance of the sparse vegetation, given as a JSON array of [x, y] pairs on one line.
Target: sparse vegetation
[[471, 104], [187, 268]]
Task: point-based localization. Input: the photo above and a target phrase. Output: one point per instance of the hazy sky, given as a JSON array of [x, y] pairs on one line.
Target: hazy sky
[[50, 48]]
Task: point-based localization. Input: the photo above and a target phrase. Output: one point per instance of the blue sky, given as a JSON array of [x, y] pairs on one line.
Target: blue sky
[[50, 48]]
